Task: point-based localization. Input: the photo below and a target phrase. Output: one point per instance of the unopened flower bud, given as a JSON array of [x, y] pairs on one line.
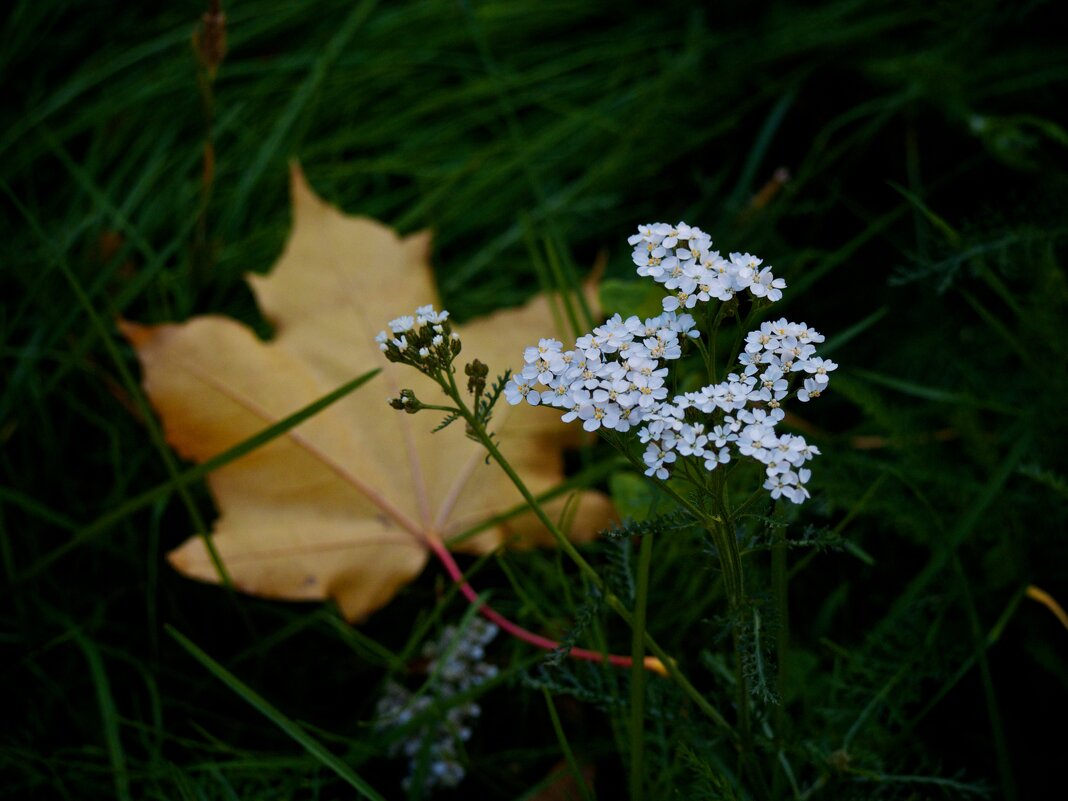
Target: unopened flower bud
[[476, 373], [406, 402], [209, 38]]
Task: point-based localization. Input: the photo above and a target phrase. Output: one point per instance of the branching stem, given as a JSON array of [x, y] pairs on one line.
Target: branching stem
[[438, 548], [565, 545]]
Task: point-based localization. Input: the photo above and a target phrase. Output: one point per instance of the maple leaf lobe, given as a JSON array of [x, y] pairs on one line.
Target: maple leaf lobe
[[341, 506]]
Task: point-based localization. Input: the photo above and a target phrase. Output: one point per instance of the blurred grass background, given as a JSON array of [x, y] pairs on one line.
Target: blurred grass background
[[902, 164]]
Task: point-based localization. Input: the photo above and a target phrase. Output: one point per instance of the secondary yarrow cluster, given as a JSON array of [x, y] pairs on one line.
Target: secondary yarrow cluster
[[611, 378], [680, 257], [424, 340], [739, 416], [614, 377], [455, 665]]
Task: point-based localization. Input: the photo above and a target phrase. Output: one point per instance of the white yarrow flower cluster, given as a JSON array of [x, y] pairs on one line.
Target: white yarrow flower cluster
[[455, 661], [424, 340], [739, 416], [681, 258], [405, 324], [614, 377]]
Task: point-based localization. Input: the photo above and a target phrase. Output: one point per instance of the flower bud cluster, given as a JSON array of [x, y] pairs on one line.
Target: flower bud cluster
[[612, 378], [455, 665], [741, 413], [424, 340], [680, 257], [406, 402], [476, 373]]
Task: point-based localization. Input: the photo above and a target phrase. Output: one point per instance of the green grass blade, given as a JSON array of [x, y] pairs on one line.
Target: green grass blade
[[931, 393], [131, 386], [966, 525], [109, 716], [298, 104], [758, 151], [37, 509], [565, 746], [287, 725], [637, 669], [85, 79], [194, 474]]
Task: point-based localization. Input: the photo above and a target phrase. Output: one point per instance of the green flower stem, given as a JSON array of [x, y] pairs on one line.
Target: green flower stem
[[721, 530], [436, 408], [743, 329], [730, 560], [780, 587], [565, 746], [710, 363], [722, 533], [637, 673], [757, 494], [698, 513], [731, 565], [565, 545]]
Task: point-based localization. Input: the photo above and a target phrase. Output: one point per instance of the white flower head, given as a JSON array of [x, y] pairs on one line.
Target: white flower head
[[616, 377]]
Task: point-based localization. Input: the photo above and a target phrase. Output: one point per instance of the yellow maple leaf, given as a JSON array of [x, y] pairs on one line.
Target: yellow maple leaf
[[344, 505]]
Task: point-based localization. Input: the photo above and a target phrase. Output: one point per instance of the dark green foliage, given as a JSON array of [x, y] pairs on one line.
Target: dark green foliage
[[921, 228], [674, 520], [450, 418], [485, 405], [591, 607]]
